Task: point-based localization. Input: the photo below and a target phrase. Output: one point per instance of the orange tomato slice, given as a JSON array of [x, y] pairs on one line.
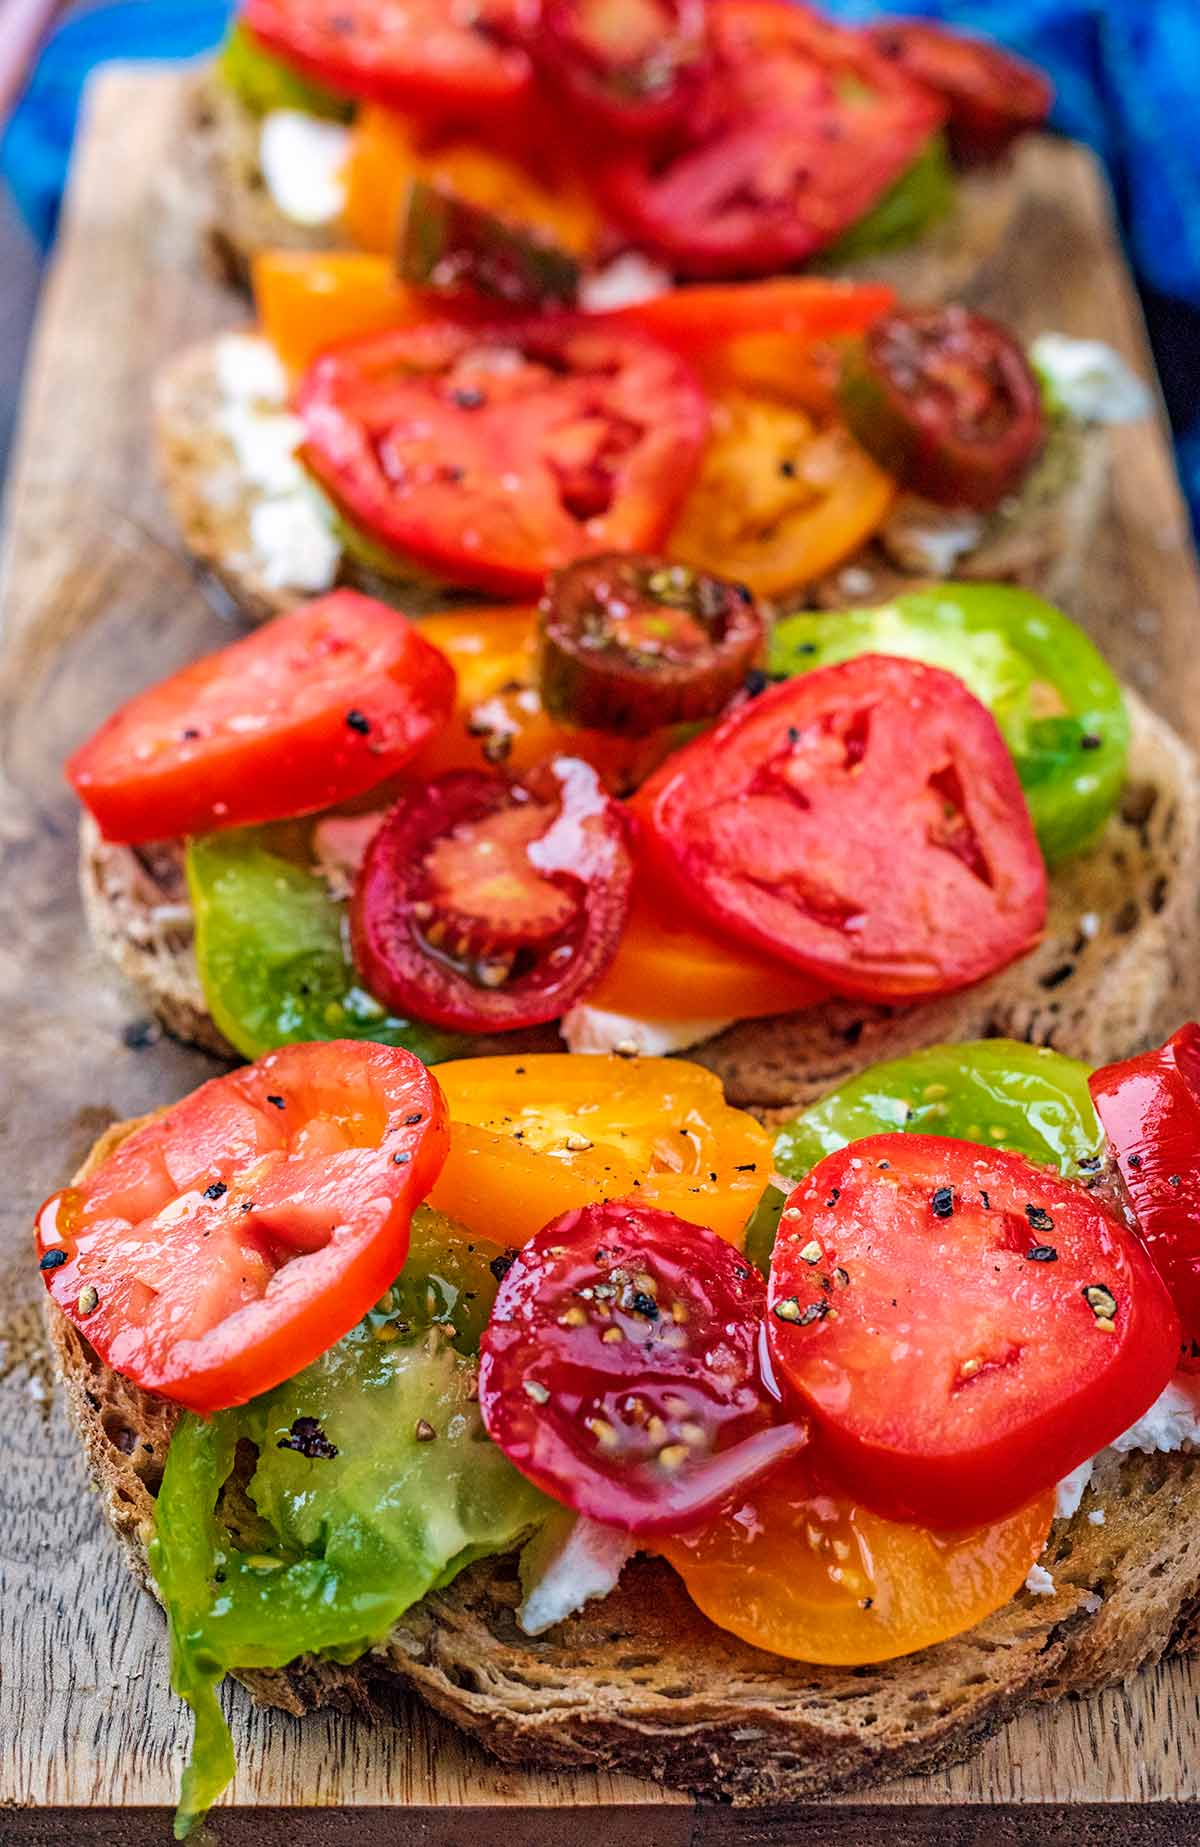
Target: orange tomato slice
[[310, 300], [387, 153], [535, 1136], [806, 1573]]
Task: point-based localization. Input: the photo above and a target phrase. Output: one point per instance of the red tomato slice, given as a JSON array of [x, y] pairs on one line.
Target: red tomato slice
[[964, 1328], [484, 906], [313, 708], [619, 1369], [992, 96], [799, 130], [863, 822], [1149, 1108], [493, 455], [422, 55], [628, 68], [797, 308], [236, 1236]]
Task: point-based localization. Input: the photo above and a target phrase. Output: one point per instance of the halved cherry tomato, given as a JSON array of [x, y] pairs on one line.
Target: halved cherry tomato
[[309, 300], [536, 1135], [864, 823], [799, 129], [793, 308], [946, 400], [629, 68], [410, 54], [799, 1568], [388, 152], [963, 1327], [619, 1369], [237, 1235], [484, 906], [452, 248], [632, 644], [778, 499], [493, 455], [1149, 1108], [499, 718], [311, 709], [671, 967], [992, 95]]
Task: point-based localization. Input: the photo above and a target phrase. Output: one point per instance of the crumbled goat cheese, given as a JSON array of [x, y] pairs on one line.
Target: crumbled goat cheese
[[249, 371], [294, 548], [570, 1561], [1039, 1581], [1070, 1490], [1172, 1420], [627, 279], [592, 1029], [302, 159], [1089, 379]]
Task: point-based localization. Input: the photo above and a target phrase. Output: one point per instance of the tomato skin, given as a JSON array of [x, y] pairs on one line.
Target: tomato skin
[[950, 1366], [632, 76], [412, 56], [579, 866], [796, 1567], [1149, 1108], [314, 707], [767, 822], [310, 1161], [696, 319], [655, 1429], [992, 96], [751, 184], [493, 454]]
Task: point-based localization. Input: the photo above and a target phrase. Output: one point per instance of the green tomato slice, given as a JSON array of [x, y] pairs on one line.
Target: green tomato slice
[[351, 1510], [262, 83], [273, 956], [922, 194], [1054, 698]]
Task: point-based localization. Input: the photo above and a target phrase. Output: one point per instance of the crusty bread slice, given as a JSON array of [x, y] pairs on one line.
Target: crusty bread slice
[[642, 1683], [1044, 541], [216, 182], [1116, 968]]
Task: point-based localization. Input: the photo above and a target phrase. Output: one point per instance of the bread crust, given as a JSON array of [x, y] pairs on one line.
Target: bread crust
[[642, 1683], [1115, 970]]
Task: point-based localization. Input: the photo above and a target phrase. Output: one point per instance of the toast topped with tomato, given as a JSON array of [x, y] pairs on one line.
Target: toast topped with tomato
[[817, 441], [710, 139], [485, 1440], [637, 819]]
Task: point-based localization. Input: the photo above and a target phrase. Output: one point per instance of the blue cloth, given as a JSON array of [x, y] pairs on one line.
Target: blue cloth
[[1124, 72]]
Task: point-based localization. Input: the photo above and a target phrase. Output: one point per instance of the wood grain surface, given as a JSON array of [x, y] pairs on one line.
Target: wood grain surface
[[96, 602]]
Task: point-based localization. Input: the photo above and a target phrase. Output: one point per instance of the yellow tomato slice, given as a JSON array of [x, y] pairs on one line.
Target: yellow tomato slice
[[779, 499], [310, 300], [538, 1135], [668, 967], [805, 1573], [387, 153]]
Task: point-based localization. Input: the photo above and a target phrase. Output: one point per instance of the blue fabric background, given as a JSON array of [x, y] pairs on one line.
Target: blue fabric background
[[1125, 72]]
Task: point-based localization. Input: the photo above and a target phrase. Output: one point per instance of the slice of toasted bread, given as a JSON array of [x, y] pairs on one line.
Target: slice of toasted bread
[[642, 1683], [1115, 969]]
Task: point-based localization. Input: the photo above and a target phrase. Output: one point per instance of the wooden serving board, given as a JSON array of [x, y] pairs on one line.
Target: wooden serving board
[[97, 602]]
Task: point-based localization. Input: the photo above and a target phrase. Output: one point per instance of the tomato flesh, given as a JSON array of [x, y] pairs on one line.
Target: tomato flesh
[[484, 906], [311, 709], [775, 826], [1150, 1111], [619, 1370], [799, 129], [991, 95], [963, 1328], [418, 55], [799, 1568], [236, 1236], [493, 455], [630, 68]]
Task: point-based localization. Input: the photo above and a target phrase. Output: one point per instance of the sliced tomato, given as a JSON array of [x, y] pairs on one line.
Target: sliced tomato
[[421, 55], [485, 906], [792, 308], [963, 1327], [537, 1135], [670, 967], [619, 1370], [863, 822], [309, 300], [779, 499], [626, 68], [311, 709], [800, 1569], [992, 96], [235, 1236], [495, 454], [1149, 1108], [800, 128]]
